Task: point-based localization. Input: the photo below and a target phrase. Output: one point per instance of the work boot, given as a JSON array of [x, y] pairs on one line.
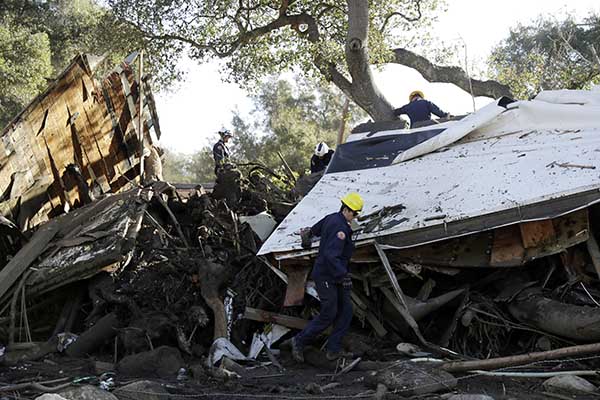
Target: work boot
[[297, 351], [334, 355]]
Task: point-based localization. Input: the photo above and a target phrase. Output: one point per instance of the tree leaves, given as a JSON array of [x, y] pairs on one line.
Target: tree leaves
[[258, 38], [24, 65], [39, 39], [548, 54]]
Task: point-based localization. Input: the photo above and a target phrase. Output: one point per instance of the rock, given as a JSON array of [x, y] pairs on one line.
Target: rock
[[471, 397], [543, 344], [411, 350], [142, 390], [568, 384], [163, 362], [50, 396], [407, 348], [313, 388], [87, 392], [410, 380]]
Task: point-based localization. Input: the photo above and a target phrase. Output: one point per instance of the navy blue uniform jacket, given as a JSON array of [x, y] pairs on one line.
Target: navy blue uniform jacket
[[335, 249], [320, 163], [420, 110], [220, 152]]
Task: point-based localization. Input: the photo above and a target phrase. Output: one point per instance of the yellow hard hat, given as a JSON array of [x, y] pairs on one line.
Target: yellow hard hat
[[353, 201], [415, 93]]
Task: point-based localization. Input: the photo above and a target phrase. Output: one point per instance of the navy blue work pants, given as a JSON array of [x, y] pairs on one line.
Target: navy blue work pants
[[336, 309]]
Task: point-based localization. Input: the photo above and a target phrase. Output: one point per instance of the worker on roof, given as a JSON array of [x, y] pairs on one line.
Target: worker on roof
[[418, 109], [220, 150], [332, 278], [321, 158]]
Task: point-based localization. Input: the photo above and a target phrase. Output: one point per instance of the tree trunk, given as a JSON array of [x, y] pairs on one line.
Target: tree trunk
[[363, 91]]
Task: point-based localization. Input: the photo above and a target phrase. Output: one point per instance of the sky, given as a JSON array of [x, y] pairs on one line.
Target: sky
[[191, 115]]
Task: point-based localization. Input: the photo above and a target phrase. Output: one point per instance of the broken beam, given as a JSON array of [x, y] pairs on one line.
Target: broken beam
[[502, 362], [255, 314], [26, 256], [403, 310]]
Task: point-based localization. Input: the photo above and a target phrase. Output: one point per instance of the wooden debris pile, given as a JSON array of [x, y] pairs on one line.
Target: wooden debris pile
[[141, 266]]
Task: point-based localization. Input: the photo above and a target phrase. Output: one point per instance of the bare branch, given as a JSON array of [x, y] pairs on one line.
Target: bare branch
[[283, 7], [326, 7], [244, 37], [404, 16], [330, 71], [567, 43], [455, 75]]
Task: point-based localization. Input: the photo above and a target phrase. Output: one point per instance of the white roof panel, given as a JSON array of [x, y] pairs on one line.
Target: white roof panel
[[535, 151]]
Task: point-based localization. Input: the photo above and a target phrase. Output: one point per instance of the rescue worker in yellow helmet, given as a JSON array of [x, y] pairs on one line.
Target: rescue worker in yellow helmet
[[332, 278], [418, 109]]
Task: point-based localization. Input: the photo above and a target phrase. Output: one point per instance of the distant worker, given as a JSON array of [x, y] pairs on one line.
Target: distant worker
[[320, 160], [220, 149], [418, 109], [332, 278]]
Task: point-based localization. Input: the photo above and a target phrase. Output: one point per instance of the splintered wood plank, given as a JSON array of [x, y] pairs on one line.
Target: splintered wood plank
[[537, 233], [27, 255], [255, 314], [297, 274], [507, 248]]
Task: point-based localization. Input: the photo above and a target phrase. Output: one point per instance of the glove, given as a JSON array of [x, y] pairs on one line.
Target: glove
[[306, 237], [347, 283]]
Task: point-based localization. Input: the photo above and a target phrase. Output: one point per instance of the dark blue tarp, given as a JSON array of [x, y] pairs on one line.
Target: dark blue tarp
[[376, 152]]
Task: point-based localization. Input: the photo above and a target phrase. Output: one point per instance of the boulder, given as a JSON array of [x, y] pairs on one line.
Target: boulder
[[162, 362], [50, 396], [87, 392], [142, 390], [471, 397], [568, 384], [410, 380]]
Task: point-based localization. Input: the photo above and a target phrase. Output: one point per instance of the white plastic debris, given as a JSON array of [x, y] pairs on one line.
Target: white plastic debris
[[223, 347], [65, 339], [262, 224], [271, 335]]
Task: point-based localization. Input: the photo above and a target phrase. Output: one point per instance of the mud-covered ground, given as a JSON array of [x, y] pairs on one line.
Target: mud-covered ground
[[294, 381]]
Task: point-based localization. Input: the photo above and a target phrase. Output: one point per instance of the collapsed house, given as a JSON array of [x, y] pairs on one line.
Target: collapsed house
[[92, 252], [477, 236], [501, 200], [73, 144]]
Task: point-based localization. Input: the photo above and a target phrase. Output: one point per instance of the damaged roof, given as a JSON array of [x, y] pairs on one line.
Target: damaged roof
[[509, 162], [79, 133]]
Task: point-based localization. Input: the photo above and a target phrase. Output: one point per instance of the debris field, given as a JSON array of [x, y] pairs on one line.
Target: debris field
[[119, 286]]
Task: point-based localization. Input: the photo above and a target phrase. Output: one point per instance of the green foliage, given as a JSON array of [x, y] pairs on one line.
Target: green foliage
[[38, 39], [548, 54], [293, 119], [287, 118], [188, 168], [24, 64], [256, 41]]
